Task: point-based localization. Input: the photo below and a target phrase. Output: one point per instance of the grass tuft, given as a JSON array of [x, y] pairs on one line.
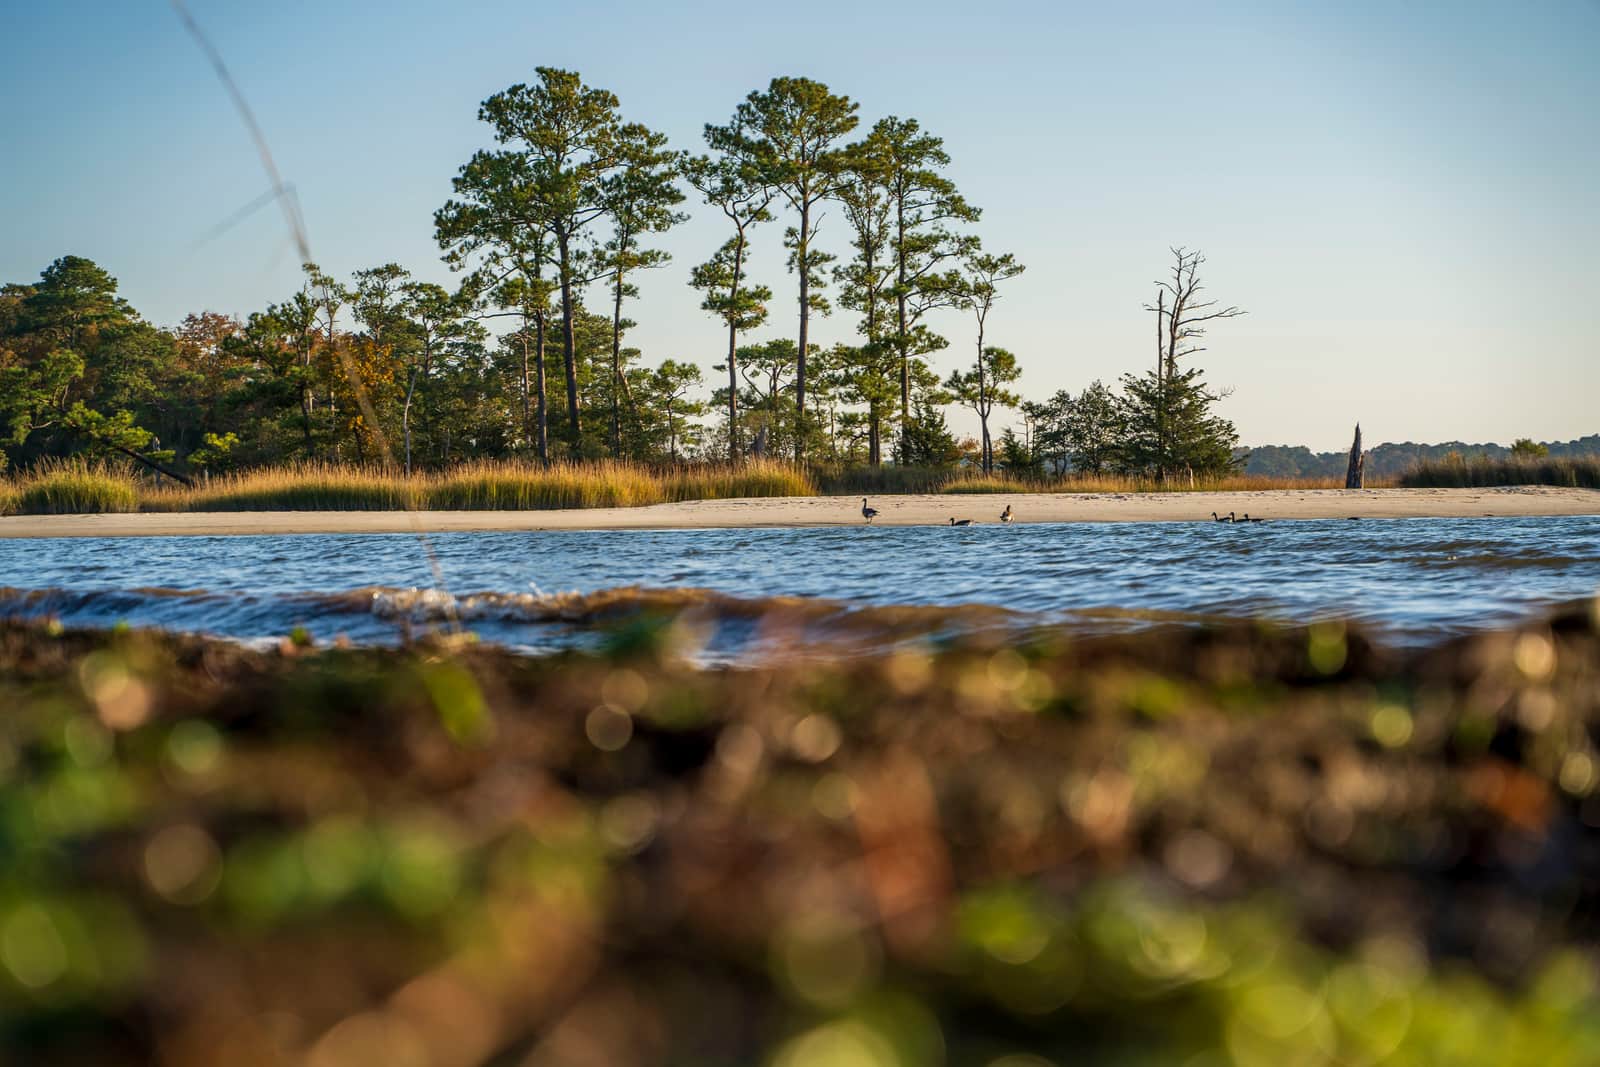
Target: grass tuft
[[512, 486], [506, 485], [750, 479], [993, 483], [73, 487], [303, 487]]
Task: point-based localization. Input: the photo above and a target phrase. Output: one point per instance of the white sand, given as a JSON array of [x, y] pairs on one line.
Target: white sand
[[836, 511]]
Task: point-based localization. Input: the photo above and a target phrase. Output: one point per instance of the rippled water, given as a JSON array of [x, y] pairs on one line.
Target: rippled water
[[1416, 578]]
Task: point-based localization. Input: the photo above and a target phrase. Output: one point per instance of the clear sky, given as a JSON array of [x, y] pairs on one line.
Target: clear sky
[[1402, 195]]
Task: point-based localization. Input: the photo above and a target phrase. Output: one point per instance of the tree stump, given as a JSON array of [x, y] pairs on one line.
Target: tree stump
[[1355, 473]]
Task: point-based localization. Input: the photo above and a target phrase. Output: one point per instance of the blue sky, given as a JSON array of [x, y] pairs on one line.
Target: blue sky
[[1403, 196]]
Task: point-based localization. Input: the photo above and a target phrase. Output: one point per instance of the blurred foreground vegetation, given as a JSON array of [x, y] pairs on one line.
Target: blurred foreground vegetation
[[1247, 846]]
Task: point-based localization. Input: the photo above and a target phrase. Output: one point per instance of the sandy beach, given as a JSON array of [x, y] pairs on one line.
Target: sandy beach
[[835, 511]]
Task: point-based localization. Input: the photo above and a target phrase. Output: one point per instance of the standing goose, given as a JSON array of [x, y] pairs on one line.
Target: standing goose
[[1006, 516], [960, 522], [868, 513]]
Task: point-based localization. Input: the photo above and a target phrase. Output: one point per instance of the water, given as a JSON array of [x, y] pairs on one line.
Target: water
[[1414, 579]]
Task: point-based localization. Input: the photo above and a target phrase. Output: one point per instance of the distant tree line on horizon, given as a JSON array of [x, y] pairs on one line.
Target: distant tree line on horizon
[[521, 360], [1393, 459]]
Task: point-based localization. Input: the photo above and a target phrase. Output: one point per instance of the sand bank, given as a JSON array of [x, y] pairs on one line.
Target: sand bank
[[833, 511]]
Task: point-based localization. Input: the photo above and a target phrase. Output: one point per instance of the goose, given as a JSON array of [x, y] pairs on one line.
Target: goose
[[960, 522], [868, 513], [1006, 516], [1247, 518], [1214, 517]]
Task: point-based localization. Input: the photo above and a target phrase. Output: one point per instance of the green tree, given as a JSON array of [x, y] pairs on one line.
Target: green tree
[[865, 283], [1181, 317], [766, 371], [923, 205], [1528, 448], [33, 396], [980, 289], [74, 299], [528, 295], [639, 198], [564, 144], [929, 442], [1016, 458], [431, 320], [736, 188], [791, 135], [669, 387], [1095, 427], [1168, 427], [981, 388]]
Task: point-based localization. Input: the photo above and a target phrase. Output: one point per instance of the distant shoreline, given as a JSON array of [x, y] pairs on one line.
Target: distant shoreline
[[903, 510]]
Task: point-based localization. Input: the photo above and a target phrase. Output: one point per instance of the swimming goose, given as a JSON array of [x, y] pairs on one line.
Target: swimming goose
[[868, 513], [1214, 517], [1247, 518], [1006, 516], [960, 522]]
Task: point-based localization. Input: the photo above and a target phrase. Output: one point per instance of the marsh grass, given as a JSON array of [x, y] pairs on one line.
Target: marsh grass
[[886, 480], [755, 478], [81, 486], [511, 486], [993, 483], [489, 486], [72, 487], [1464, 473], [303, 487]]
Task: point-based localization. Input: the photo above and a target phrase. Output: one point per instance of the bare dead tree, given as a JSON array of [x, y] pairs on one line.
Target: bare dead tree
[[1181, 317], [1355, 473]]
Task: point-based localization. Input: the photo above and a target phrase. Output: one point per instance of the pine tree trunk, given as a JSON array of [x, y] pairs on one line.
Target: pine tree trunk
[[805, 321], [539, 391], [616, 368], [733, 351], [570, 344], [902, 340], [527, 400]]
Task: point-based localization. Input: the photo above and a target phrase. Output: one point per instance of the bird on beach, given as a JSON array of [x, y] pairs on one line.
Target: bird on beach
[[1006, 516], [868, 513], [960, 522], [1214, 517]]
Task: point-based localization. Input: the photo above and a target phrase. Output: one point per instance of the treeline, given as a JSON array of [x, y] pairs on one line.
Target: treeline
[[529, 355], [1391, 460]]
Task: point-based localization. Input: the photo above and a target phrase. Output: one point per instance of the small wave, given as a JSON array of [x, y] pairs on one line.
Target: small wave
[[728, 627], [605, 605]]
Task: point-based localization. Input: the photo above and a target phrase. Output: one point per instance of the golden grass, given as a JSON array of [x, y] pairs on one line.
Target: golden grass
[[303, 487], [512, 486], [1231, 483], [992, 483], [71, 487], [888, 480], [487, 486], [79, 486]]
